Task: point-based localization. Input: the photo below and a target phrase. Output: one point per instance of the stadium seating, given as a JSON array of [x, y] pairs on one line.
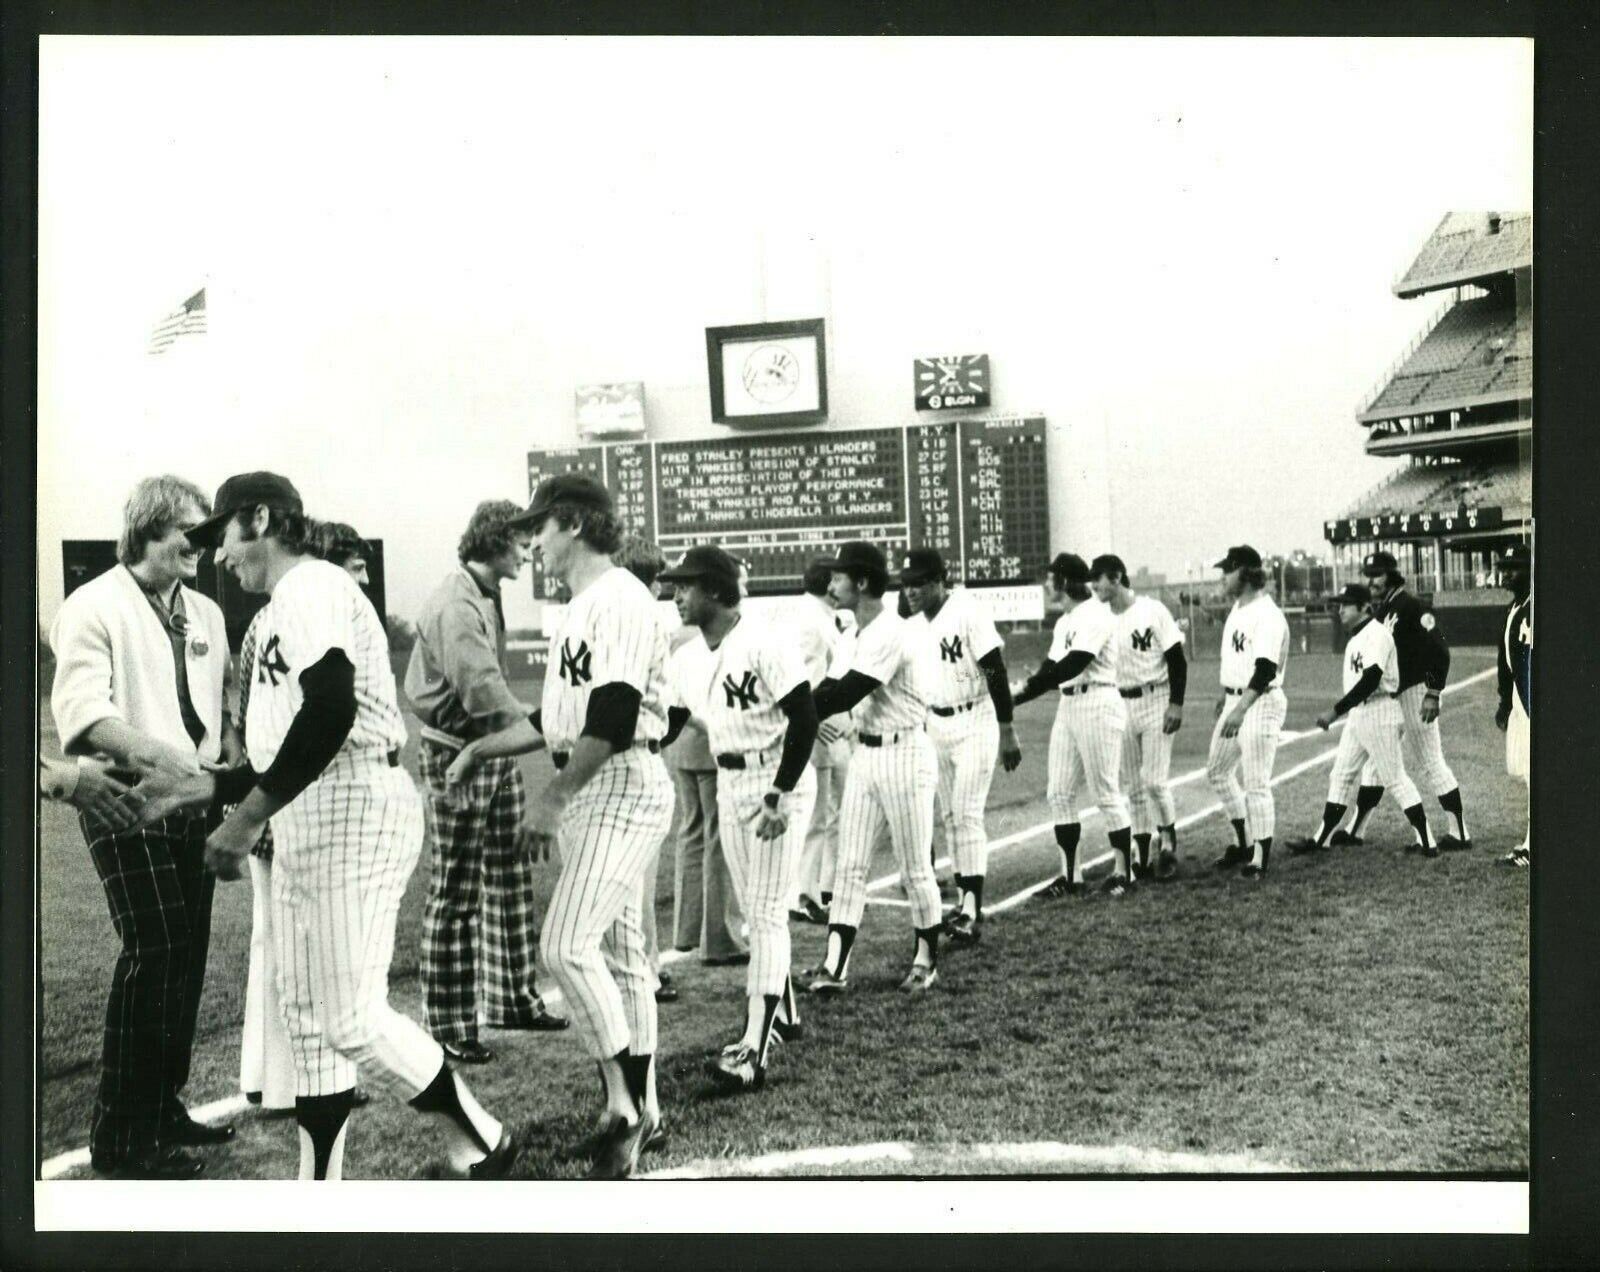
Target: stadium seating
[[1477, 348], [1447, 487], [1461, 248]]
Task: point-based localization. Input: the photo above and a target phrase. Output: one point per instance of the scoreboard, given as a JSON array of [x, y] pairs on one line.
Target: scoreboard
[[974, 489]]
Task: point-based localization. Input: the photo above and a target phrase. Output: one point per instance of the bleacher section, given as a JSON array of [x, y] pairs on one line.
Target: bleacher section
[[1478, 349], [1462, 249], [1447, 487]]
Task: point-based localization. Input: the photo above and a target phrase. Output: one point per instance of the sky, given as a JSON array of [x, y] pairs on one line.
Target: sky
[[1179, 251]]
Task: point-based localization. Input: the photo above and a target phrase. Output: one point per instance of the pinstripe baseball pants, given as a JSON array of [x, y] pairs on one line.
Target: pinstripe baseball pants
[[1086, 751], [1249, 753], [1372, 739], [159, 895], [1147, 761], [890, 786], [965, 745], [1421, 748], [478, 870], [266, 1063], [345, 849], [819, 855], [763, 869], [593, 943], [1517, 736]]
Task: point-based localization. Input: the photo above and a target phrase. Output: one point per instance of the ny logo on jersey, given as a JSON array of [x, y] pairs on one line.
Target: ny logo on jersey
[[1238, 642], [743, 694], [270, 664], [1143, 640], [950, 650], [1357, 662], [575, 669]]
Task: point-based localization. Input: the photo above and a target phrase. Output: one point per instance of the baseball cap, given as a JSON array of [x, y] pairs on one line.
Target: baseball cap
[[564, 488], [246, 490], [1107, 564], [703, 561], [921, 565], [858, 554], [1241, 555], [1069, 567], [1352, 594], [1377, 563], [1516, 557]]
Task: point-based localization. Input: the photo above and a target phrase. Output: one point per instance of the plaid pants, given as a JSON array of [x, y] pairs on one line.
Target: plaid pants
[[159, 894], [477, 870]]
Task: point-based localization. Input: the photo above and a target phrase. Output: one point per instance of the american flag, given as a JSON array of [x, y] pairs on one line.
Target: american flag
[[180, 322]]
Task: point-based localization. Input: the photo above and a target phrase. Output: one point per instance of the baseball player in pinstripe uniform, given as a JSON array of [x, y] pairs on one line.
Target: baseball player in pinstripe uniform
[[1371, 679], [609, 805], [1514, 677], [1091, 720], [324, 734], [963, 672], [761, 723], [892, 775], [1424, 667], [1152, 676], [820, 630], [1250, 711]]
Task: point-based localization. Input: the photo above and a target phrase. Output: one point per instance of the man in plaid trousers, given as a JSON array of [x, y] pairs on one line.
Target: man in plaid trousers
[[456, 682], [141, 669]]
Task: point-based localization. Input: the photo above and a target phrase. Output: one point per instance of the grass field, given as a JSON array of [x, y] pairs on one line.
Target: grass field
[[1364, 1010]]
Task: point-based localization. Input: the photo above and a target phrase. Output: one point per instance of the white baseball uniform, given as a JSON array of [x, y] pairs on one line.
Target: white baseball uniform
[[1374, 726], [344, 848], [961, 720], [1086, 739], [891, 778], [819, 631], [1254, 629], [1518, 634], [593, 940], [1145, 632], [750, 673], [1421, 743]]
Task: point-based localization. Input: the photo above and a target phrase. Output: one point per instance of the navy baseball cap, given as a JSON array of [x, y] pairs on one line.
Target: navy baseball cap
[[1351, 594], [574, 489], [1107, 565], [1379, 563], [858, 555], [1240, 556], [704, 561], [1069, 568], [921, 565], [246, 490]]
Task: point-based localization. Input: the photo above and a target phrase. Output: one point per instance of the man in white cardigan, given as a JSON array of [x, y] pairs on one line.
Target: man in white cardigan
[[141, 671]]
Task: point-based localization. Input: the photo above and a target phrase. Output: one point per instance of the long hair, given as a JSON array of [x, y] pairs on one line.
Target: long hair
[[154, 506], [641, 557], [293, 530], [487, 534], [335, 542], [600, 530]]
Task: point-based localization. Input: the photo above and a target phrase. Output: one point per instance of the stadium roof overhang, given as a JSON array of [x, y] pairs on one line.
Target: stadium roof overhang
[[1445, 439]]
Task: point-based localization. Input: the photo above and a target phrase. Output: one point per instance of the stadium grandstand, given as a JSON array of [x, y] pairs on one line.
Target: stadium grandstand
[[1457, 405]]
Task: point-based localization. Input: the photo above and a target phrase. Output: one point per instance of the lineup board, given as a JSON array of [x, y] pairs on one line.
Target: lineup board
[[974, 489]]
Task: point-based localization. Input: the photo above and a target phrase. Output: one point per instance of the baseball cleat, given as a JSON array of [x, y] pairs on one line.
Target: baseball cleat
[[1252, 871], [1429, 849], [469, 1052], [784, 1031], [819, 980], [1118, 886], [1061, 886], [1344, 839], [1233, 856], [620, 1146], [1302, 846], [737, 1070], [1450, 843], [963, 929], [1517, 859], [656, 1140], [1166, 866], [920, 979], [497, 1165]]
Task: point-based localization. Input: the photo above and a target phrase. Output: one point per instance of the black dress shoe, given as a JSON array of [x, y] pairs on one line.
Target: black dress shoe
[[153, 1163], [544, 1022], [728, 960], [1232, 856], [191, 1133], [497, 1165], [666, 992], [469, 1052]]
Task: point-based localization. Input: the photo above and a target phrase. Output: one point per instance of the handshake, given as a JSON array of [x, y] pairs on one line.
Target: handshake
[[142, 789]]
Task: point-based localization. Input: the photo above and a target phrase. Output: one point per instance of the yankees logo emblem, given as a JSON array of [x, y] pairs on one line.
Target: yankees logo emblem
[[1143, 640], [950, 650], [1238, 642], [1357, 663], [575, 664], [743, 694], [270, 664]]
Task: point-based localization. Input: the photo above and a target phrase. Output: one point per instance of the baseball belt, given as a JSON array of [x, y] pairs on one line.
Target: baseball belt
[[1075, 689], [1139, 691], [946, 712], [560, 758], [887, 739]]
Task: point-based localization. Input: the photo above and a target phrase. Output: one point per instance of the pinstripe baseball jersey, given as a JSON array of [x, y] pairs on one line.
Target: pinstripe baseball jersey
[[1088, 627], [885, 650], [1255, 629], [610, 633], [317, 607], [1371, 645], [956, 637], [816, 629], [736, 692], [1145, 631]]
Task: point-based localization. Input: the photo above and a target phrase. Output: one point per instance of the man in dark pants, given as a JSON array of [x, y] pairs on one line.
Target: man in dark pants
[[141, 661]]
